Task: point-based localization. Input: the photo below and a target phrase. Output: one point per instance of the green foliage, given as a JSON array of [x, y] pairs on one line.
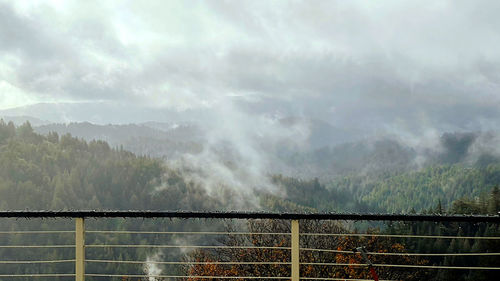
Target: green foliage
[[487, 203], [484, 204], [68, 173], [7, 131], [309, 195], [62, 172], [420, 190]]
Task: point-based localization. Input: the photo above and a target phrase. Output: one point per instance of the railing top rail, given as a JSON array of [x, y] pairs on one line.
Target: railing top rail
[[248, 215]]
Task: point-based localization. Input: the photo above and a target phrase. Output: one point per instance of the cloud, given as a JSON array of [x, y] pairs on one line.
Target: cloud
[[414, 69], [391, 64]]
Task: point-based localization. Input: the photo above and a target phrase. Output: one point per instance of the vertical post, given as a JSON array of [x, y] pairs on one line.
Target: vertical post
[[80, 250], [295, 251]]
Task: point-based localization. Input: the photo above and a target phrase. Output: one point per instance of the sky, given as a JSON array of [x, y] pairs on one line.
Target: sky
[[396, 66]]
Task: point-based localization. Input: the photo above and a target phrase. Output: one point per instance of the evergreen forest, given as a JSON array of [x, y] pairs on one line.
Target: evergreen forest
[[61, 172]]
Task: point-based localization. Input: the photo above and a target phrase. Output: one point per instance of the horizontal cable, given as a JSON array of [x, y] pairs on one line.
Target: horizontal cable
[[186, 276], [33, 262], [177, 246], [439, 267], [401, 236], [326, 250], [339, 279], [333, 264], [185, 232], [221, 277], [38, 275], [37, 232], [407, 266], [401, 254], [37, 246], [190, 262], [434, 254]]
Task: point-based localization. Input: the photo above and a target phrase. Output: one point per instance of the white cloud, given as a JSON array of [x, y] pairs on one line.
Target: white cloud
[[347, 55], [10, 96]]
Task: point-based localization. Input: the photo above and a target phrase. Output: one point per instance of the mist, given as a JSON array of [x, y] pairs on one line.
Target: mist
[[261, 81], [387, 108]]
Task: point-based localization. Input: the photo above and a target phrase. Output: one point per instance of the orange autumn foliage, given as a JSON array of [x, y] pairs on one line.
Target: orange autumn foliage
[[206, 258]]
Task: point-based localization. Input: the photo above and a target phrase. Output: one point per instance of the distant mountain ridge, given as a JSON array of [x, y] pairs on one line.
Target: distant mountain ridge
[[138, 138], [326, 156], [100, 113], [19, 120]]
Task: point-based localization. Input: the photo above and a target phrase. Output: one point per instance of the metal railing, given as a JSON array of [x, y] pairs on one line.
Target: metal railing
[[291, 247]]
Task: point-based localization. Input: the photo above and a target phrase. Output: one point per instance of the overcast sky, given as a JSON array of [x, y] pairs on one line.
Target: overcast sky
[[397, 64]]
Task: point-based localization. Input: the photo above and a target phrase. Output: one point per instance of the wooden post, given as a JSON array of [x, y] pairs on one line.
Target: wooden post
[[80, 250], [295, 251]]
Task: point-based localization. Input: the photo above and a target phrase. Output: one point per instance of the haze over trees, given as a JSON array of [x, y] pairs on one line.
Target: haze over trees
[[286, 106], [61, 172]]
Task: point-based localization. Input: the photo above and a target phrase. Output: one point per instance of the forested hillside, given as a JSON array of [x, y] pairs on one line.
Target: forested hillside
[[412, 191], [55, 172], [356, 107], [62, 172], [160, 140], [488, 203], [421, 189]]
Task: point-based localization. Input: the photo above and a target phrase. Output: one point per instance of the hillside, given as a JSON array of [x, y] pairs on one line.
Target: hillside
[[62, 172], [54, 172]]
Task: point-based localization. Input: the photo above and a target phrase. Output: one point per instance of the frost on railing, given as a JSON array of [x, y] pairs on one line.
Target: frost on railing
[[239, 247]]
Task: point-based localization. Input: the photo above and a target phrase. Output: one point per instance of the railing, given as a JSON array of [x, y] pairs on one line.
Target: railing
[[289, 251]]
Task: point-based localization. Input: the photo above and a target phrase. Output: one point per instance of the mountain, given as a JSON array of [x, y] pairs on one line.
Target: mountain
[[62, 172], [78, 170], [99, 113], [138, 138], [19, 120], [321, 133]]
